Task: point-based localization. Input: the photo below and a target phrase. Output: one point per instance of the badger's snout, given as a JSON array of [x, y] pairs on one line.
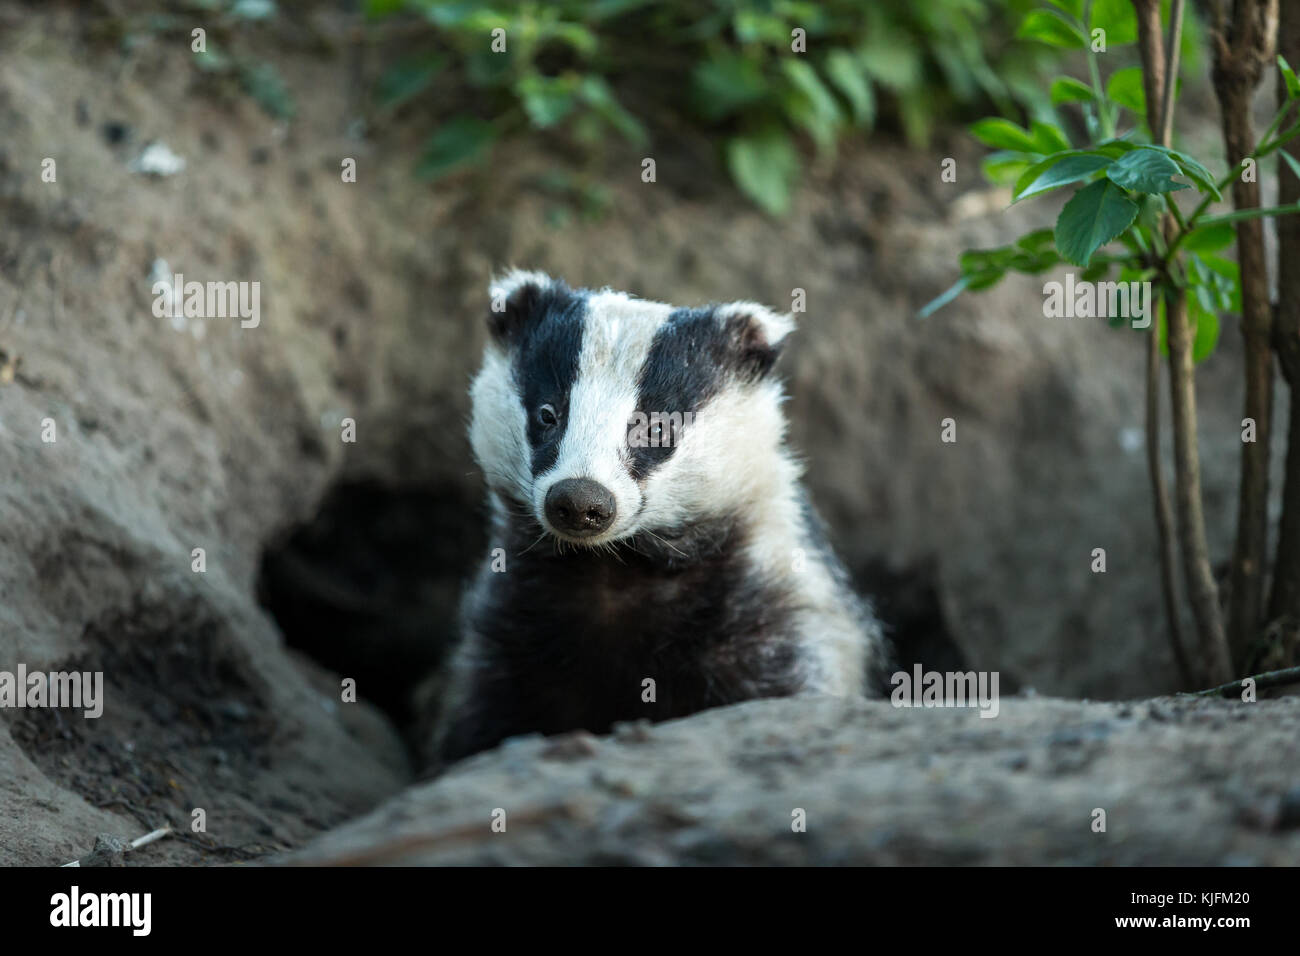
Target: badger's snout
[[580, 507]]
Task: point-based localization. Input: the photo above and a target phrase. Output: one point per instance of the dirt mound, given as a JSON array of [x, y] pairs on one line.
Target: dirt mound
[[1182, 782]]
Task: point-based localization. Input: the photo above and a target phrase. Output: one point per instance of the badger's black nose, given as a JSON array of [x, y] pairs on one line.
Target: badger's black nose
[[580, 507]]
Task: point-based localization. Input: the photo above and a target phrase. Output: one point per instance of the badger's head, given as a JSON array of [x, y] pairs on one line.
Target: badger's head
[[603, 416]]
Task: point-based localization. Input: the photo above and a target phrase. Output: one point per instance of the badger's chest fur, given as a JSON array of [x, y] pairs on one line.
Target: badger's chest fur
[[651, 552]]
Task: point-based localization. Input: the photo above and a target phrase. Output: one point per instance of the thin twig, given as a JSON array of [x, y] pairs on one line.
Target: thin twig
[[1288, 675], [135, 844], [1171, 73], [1160, 120]]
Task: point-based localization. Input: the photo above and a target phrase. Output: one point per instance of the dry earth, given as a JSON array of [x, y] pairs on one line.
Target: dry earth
[[1181, 781], [175, 436]]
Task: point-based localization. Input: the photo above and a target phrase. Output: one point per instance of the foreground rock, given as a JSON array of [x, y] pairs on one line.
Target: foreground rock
[[1183, 782]]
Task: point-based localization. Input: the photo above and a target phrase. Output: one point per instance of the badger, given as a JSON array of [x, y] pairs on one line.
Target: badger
[[652, 551]]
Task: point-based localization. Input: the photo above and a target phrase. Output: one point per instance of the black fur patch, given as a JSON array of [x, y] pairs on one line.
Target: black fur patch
[[684, 368], [547, 344], [691, 357], [567, 638]]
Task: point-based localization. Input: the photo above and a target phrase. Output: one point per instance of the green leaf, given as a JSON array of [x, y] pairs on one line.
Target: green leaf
[[1207, 330], [1192, 170], [1035, 263], [1066, 89], [1006, 166], [1115, 148], [818, 112], [1095, 215], [573, 34], [1199, 284], [1210, 238], [724, 84], [1146, 171], [983, 260], [1230, 273], [408, 78], [547, 99], [850, 79], [764, 167], [485, 69], [806, 80], [600, 97], [1117, 18], [1096, 272], [986, 280], [450, 15], [1289, 77], [1073, 7], [375, 9], [1058, 170], [1036, 241], [754, 27], [604, 9], [456, 143], [1048, 138], [893, 60], [1050, 27], [916, 111], [1004, 134], [1291, 161], [468, 17], [1125, 88]]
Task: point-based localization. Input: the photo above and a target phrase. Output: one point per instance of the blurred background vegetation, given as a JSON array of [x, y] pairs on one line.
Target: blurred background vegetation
[[610, 68], [602, 71], [595, 72]]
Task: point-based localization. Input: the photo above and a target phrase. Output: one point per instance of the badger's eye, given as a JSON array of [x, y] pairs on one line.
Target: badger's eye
[[546, 416]]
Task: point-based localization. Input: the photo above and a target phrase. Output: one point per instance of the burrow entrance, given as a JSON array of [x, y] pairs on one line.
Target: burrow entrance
[[369, 587]]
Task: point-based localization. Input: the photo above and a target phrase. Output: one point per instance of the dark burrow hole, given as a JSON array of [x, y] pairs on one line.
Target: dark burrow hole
[[369, 587], [907, 602]]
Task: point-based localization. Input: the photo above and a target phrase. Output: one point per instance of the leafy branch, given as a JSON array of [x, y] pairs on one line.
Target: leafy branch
[[1125, 194]]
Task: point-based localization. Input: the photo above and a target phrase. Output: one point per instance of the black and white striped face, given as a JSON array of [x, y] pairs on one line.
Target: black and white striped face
[[605, 415]]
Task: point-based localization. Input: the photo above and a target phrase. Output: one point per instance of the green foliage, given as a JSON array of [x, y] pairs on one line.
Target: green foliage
[[1053, 28], [1145, 171], [763, 166], [1093, 217], [262, 82], [1060, 169], [258, 78], [1126, 185], [1289, 77], [456, 143], [729, 67]]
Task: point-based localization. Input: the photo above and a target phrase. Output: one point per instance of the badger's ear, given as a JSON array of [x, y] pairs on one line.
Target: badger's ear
[[516, 300], [754, 336]]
